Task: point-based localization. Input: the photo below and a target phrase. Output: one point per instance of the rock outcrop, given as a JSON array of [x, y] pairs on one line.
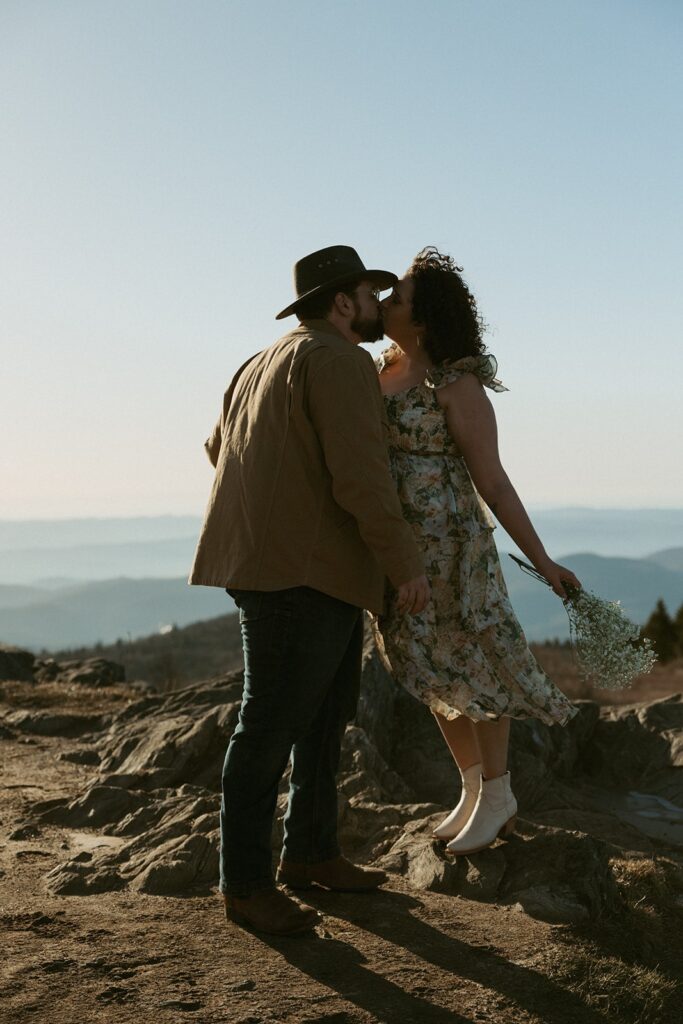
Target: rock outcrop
[[17, 664], [85, 672], [609, 782]]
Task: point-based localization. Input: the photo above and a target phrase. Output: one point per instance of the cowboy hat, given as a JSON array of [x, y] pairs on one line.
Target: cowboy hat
[[330, 268]]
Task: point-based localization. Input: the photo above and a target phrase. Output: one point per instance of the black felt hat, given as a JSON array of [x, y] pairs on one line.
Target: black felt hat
[[334, 267]]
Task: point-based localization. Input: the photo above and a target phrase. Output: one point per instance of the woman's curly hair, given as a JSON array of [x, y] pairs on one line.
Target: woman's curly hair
[[445, 305]]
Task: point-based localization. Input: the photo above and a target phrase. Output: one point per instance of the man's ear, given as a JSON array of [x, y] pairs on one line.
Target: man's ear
[[343, 304]]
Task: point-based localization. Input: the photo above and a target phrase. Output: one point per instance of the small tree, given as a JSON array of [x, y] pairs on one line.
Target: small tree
[[678, 624], [661, 630]]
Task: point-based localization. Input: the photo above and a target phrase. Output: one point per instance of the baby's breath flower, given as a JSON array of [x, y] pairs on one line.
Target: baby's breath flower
[[607, 645]]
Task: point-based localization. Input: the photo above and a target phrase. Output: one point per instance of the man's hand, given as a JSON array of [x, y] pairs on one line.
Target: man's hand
[[413, 596]]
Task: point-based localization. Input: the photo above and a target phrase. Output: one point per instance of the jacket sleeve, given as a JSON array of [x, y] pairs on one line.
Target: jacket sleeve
[[346, 408], [212, 445]]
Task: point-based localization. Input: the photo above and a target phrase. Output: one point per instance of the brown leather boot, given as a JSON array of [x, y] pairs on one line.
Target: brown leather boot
[[338, 874], [272, 911]]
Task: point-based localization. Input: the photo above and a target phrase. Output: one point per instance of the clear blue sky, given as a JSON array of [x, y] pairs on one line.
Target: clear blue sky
[[162, 164]]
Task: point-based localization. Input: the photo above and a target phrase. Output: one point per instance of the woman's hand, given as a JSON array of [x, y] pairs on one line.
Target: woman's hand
[[555, 574]]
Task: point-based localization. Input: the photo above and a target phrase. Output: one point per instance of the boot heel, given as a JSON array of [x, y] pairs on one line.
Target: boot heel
[[235, 916], [508, 828]]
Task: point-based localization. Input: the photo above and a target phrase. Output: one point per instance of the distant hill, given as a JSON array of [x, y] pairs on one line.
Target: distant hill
[[671, 558], [84, 562], [19, 596], [182, 655], [106, 611], [67, 583], [127, 608]]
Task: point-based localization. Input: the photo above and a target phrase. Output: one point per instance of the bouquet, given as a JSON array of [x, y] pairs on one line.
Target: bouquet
[[608, 647]]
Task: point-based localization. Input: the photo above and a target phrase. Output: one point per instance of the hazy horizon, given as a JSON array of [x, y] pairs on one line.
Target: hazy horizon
[[537, 506], [40, 551]]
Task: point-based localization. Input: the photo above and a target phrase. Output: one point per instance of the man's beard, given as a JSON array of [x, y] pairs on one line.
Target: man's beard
[[367, 330]]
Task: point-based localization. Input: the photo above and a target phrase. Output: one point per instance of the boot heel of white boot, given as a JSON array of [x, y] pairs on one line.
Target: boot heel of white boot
[[508, 828]]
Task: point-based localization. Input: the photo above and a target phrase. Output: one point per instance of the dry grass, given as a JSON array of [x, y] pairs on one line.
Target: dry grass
[[649, 882], [629, 969], [560, 665], [75, 698], [651, 888], [622, 992]]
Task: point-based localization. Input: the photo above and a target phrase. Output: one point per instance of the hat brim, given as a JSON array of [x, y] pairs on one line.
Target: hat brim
[[381, 278]]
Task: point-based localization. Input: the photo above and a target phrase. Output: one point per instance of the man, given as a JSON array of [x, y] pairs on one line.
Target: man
[[302, 526]]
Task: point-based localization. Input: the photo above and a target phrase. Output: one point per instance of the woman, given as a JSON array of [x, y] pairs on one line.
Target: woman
[[465, 655]]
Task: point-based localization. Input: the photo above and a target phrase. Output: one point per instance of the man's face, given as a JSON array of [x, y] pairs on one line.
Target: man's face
[[367, 317]]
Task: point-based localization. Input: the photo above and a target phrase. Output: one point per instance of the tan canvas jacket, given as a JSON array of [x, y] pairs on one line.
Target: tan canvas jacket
[[303, 494]]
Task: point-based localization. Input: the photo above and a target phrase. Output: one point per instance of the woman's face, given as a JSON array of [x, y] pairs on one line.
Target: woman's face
[[397, 312]]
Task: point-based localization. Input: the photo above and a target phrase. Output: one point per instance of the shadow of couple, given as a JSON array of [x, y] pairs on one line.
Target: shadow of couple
[[390, 916]]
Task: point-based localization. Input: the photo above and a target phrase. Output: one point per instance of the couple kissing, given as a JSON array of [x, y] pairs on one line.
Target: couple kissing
[[344, 484]]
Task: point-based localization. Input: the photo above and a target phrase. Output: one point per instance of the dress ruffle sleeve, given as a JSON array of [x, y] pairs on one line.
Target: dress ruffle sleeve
[[485, 367]]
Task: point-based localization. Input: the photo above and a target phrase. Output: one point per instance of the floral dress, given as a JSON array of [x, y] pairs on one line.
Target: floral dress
[[465, 654]]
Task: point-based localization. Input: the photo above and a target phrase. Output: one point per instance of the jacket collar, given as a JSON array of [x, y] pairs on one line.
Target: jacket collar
[[325, 327]]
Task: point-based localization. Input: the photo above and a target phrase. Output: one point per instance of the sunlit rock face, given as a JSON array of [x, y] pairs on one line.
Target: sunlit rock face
[[608, 783]]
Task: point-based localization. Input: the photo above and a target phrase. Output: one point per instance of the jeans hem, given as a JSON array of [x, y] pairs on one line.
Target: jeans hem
[[243, 890], [316, 858]]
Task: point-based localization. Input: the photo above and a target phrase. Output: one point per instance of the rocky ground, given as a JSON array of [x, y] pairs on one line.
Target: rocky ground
[[108, 863]]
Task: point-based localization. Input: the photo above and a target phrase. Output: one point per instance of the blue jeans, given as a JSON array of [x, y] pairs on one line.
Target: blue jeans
[[302, 660]]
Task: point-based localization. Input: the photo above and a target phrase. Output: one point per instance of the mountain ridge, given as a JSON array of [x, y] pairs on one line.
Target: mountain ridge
[[107, 610]]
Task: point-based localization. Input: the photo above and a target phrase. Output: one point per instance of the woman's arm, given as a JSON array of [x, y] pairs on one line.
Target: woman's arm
[[472, 425]]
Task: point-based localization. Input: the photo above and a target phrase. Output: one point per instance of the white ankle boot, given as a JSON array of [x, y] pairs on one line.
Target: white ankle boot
[[461, 813], [494, 815]]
